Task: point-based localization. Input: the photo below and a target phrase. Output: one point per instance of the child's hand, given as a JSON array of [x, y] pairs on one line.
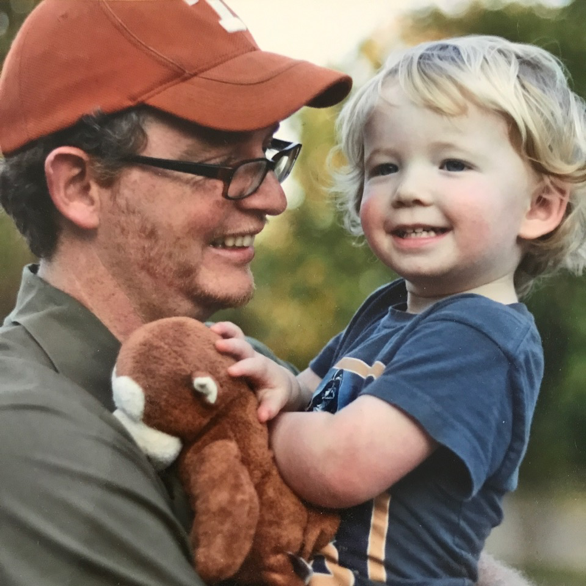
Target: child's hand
[[276, 388]]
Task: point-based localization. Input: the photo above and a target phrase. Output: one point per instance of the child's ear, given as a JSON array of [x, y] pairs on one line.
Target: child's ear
[[547, 209]]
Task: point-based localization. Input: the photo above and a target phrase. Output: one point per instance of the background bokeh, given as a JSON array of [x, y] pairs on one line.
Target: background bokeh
[[311, 276]]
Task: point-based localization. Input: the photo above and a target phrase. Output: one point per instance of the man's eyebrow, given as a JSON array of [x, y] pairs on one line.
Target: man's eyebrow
[[211, 139]]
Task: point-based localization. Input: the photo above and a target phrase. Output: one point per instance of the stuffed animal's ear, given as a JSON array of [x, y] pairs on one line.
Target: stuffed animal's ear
[[205, 384]]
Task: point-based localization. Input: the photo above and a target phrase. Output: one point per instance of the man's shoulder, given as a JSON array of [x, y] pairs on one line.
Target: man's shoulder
[[30, 380]]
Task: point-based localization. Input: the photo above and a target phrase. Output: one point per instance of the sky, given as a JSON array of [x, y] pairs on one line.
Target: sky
[[323, 31]]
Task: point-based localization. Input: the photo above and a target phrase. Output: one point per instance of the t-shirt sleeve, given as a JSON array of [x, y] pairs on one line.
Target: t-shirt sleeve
[[325, 359], [459, 385], [79, 504]]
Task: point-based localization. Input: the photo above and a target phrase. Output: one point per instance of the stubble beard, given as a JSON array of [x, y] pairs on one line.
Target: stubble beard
[[159, 272]]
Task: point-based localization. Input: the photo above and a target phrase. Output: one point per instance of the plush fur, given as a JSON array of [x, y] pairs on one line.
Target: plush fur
[[174, 395], [494, 573]]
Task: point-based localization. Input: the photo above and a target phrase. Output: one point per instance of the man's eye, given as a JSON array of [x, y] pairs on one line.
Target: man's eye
[[383, 169], [454, 165]]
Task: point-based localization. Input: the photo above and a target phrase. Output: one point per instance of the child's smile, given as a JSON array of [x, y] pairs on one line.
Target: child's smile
[[420, 234]]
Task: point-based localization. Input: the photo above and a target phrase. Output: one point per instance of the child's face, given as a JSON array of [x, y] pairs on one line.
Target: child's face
[[444, 197]]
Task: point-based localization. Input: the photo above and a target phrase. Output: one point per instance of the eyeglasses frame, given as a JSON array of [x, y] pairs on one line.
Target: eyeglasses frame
[[224, 173]]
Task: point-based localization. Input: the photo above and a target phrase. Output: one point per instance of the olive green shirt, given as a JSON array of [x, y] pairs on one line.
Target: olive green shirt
[[80, 504]]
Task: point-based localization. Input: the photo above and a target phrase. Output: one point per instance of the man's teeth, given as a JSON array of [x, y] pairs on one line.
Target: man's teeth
[[420, 232], [234, 242]]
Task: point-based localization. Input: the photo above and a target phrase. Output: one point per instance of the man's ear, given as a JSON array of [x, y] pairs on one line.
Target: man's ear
[[72, 189], [547, 209]]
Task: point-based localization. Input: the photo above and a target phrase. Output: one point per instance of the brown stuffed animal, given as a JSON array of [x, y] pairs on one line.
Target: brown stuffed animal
[[175, 397]]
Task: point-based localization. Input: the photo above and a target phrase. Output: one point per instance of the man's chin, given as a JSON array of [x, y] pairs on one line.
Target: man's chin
[[219, 302]]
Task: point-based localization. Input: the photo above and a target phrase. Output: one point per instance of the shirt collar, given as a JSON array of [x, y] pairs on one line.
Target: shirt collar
[[78, 344]]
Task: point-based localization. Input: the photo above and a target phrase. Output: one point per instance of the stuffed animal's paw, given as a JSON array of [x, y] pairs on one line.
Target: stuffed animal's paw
[[226, 518]]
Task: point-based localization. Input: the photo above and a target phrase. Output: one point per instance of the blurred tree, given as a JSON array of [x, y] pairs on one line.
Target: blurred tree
[[311, 276], [13, 250], [12, 15], [13, 256]]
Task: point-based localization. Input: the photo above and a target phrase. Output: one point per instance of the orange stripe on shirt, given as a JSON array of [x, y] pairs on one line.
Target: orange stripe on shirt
[[360, 367], [377, 539]]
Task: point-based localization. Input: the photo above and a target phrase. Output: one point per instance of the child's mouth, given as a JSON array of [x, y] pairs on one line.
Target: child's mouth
[[426, 232]]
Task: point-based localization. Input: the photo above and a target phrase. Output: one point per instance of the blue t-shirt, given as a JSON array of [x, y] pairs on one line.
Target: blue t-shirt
[[468, 370]]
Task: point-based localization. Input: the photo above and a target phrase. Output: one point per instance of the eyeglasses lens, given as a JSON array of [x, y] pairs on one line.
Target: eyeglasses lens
[[283, 166], [247, 179], [248, 176]]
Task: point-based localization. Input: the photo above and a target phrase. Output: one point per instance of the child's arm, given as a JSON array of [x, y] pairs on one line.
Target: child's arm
[[343, 459], [332, 460]]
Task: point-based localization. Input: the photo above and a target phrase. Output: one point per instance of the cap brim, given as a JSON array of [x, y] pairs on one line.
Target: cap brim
[[251, 91]]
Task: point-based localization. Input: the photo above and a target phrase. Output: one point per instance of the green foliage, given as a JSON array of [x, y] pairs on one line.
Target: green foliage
[[547, 576], [13, 251], [12, 15], [13, 255]]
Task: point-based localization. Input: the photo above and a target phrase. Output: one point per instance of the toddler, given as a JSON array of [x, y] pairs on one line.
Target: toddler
[[466, 173]]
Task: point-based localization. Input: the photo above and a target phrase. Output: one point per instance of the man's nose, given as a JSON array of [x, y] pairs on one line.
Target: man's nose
[[269, 198]]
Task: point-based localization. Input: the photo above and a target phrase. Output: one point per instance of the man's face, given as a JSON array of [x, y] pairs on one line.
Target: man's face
[[170, 240]]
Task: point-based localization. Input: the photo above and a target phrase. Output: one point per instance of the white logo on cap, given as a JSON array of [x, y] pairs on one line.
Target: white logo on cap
[[228, 20]]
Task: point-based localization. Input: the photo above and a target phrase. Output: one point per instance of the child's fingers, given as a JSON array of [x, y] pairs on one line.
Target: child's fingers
[[238, 348], [227, 329], [265, 413], [269, 407], [250, 367]]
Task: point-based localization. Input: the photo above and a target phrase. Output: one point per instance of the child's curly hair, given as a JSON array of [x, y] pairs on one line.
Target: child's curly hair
[[523, 83]]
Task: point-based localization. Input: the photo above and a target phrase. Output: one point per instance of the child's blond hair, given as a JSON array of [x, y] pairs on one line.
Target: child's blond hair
[[523, 83]]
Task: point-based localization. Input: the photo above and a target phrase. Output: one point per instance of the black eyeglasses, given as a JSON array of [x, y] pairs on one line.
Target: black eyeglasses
[[242, 179]]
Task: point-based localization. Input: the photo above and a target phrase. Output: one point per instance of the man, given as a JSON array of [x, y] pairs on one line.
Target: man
[[140, 165], [121, 242]]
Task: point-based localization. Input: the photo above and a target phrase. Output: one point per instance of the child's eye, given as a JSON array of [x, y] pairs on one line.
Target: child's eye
[[454, 165], [383, 169]]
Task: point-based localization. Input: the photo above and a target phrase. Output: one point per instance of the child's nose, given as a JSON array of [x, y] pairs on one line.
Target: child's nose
[[413, 189]]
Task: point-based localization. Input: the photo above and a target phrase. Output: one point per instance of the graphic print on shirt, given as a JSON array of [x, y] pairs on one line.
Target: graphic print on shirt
[[326, 397], [337, 390], [341, 386]]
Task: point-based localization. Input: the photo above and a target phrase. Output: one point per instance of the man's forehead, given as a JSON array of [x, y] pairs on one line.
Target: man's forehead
[[205, 136], [223, 137]]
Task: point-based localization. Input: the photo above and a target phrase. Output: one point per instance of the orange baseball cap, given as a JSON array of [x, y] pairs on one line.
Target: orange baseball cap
[[194, 59]]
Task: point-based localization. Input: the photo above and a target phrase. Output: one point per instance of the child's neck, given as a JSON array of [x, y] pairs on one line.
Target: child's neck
[[501, 291]]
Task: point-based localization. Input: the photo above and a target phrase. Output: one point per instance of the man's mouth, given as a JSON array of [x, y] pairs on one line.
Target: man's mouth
[[242, 241], [420, 232]]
